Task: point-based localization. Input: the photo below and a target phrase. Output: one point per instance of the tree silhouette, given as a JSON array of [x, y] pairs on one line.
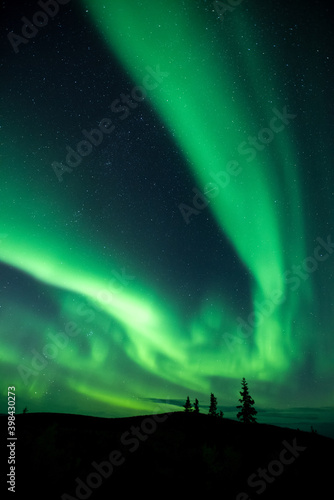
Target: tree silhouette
[[196, 407], [213, 405], [221, 414], [25, 410], [247, 411], [187, 405]]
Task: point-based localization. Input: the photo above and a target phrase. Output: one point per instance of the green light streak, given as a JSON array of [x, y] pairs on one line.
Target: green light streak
[[210, 115], [199, 104]]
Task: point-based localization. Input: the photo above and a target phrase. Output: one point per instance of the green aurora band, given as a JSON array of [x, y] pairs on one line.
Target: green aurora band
[[195, 101], [204, 108]]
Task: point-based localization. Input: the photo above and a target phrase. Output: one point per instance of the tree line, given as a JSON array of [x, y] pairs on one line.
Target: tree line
[[246, 414]]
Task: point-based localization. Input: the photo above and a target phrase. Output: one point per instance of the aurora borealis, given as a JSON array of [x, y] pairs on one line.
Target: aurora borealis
[[187, 242]]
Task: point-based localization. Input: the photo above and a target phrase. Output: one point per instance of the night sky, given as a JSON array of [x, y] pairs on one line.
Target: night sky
[[167, 197]]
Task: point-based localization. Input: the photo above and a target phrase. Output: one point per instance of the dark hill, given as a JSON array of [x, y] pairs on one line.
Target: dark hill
[[169, 454]]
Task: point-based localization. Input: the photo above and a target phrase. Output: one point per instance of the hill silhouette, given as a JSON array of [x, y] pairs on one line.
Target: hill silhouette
[[177, 453]]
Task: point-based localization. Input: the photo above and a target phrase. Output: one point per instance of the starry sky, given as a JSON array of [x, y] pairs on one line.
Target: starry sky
[[167, 207]]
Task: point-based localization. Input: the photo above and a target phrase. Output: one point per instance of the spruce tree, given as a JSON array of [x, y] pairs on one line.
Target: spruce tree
[[247, 411], [187, 405], [213, 406], [196, 407]]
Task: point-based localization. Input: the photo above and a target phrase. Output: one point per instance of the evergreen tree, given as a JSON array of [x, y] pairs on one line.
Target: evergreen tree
[[196, 407], [213, 406], [247, 411], [221, 414], [25, 410], [187, 405]]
